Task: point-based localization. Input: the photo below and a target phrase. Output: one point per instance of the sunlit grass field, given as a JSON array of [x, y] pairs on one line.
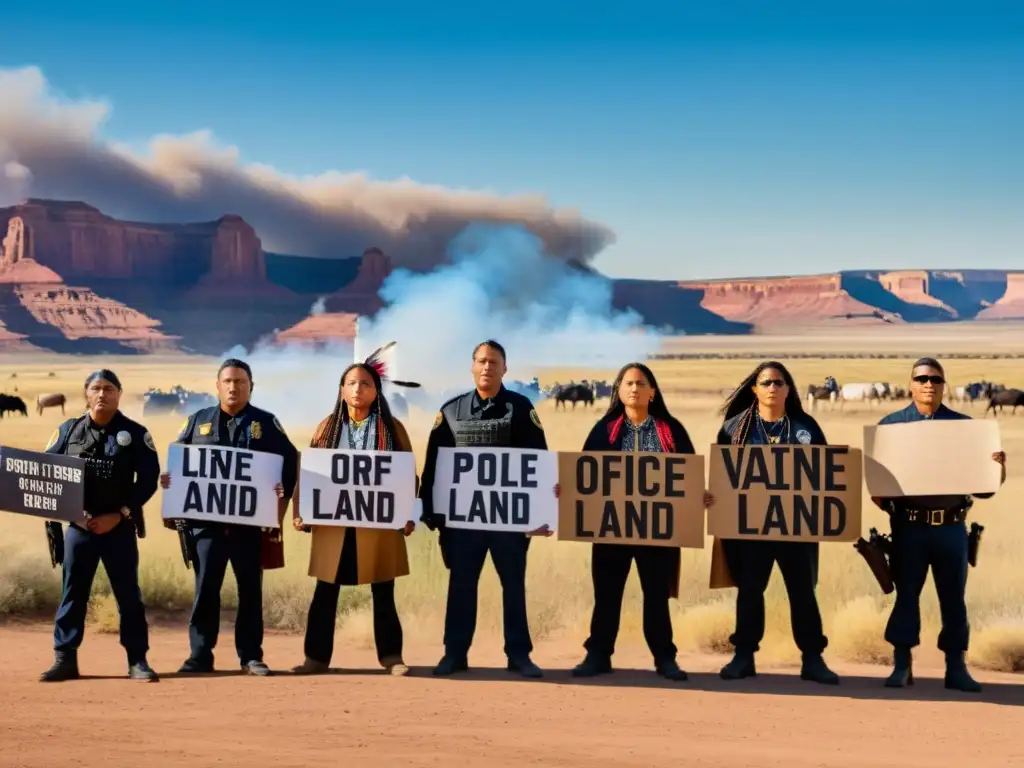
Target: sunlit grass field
[[559, 590]]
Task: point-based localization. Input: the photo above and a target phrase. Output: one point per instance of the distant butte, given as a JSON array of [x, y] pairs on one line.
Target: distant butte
[[73, 279]]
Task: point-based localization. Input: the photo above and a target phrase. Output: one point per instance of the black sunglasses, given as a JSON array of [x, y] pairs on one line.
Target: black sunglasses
[[779, 383], [929, 380]]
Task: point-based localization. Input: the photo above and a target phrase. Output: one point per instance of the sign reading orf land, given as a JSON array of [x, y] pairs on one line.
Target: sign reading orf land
[[47, 485], [785, 492], [212, 483], [364, 489], [496, 489], [616, 497]]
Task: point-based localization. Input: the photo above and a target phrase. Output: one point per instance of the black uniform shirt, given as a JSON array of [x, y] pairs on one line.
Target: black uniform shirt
[[122, 465], [458, 424]]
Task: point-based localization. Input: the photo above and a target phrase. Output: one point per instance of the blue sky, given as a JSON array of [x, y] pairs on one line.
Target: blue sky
[[718, 140]]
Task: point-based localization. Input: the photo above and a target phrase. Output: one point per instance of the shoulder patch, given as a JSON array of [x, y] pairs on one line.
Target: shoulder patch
[[803, 437], [182, 428], [148, 440], [277, 424], [535, 418], [53, 439], [437, 421]]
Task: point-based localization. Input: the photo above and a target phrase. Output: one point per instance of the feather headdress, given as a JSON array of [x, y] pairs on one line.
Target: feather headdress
[[379, 364]]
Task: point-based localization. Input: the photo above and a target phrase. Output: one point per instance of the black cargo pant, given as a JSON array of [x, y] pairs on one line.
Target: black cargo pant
[[915, 548], [240, 545], [323, 611], [118, 550], [609, 567], [465, 551], [751, 563]]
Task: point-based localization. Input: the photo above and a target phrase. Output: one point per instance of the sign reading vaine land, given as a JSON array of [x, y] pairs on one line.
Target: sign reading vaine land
[[785, 492]]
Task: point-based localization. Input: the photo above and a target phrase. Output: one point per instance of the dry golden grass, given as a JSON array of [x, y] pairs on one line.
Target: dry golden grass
[[559, 589]]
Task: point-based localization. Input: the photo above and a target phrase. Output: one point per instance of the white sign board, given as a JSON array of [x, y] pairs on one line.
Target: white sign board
[[214, 483], [362, 489], [932, 458], [496, 489]]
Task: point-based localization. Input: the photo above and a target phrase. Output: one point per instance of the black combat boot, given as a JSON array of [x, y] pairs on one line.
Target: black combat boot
[[524, 666], [592, 666], [669, 669], [449, 665], [742, 665], [957, 676], [903, 670], [65, 667], [816, 670], [140, 670]]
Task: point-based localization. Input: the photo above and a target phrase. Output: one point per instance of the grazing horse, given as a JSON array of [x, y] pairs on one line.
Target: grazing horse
[[830, 391], [871, 391], [50, 400], [1007, 397], [13, 404], [574, 393]]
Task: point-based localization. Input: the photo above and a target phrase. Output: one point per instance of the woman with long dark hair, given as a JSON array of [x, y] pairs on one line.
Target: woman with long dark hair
[[765, 409], [344, 556], [637, 420]]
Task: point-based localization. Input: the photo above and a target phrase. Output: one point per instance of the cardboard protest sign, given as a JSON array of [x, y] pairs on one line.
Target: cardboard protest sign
[[925, 458], [363, 489], [616, 497], [46, 485], [785, 492], [496, 489], [213, 483]]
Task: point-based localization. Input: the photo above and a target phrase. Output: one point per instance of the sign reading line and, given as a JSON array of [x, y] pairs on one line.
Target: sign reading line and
[[222, 484]]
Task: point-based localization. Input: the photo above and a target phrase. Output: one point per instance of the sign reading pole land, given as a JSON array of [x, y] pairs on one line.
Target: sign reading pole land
[[785, 492], [496, 489], [363, 489], [615, 497], [213, 483], [46, 485]]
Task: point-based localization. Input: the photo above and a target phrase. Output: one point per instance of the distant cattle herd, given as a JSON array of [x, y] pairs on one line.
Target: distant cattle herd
[[178, 400]]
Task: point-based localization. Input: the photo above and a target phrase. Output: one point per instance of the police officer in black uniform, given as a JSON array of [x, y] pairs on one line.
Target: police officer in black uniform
[[929, 531], [121, 471], [236, 423], [490, 415]]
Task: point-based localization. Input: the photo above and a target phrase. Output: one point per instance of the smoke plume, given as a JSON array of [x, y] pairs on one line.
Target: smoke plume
[[50, 147], [499, 284]]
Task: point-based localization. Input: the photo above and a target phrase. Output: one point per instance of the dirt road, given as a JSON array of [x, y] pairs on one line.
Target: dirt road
[[361, 717]]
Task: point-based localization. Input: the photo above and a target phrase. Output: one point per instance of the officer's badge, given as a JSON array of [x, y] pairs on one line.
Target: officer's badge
[[124, 438], [437, 421], [181, 431], [256, 430], [535, 418], [803, 437], [277, 424], [53, 439], [148, 440], [205, 429]]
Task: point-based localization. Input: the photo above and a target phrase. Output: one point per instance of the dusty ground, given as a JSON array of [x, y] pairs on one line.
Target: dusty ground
[[362, 717]]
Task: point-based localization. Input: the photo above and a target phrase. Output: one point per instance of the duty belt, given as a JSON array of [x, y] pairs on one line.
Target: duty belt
[[934, 517]]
